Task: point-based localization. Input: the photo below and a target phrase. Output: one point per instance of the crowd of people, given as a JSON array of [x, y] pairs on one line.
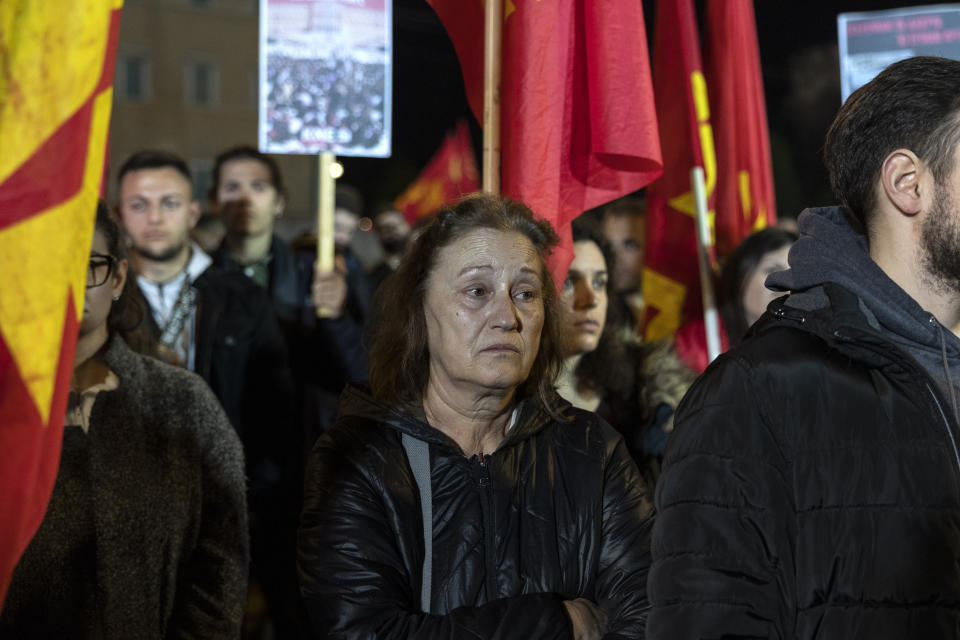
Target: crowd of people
[[457, 448], [324, 103]]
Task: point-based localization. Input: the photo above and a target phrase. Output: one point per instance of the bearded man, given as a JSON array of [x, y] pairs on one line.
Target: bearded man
[[811, 486]]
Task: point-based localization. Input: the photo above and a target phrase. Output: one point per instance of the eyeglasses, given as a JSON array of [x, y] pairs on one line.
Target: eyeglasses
[[99, 269]]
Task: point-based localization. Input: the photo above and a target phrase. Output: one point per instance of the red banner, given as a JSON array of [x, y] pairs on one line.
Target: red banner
[[671, 282], [55, 99], [450, 174], [745, 197], [578, 123]]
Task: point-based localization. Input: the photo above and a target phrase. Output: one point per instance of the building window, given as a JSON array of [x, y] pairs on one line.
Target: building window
[[132, 80], [202, 85]]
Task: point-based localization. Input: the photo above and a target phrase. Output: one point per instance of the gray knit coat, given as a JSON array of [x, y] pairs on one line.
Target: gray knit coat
[[170, 516]]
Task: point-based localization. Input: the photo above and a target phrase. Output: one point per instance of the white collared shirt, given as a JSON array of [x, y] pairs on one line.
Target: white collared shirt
[[162, 296]]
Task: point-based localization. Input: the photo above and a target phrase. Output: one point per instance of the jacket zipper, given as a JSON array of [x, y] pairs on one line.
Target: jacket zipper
[[946, 423], [489, 539]]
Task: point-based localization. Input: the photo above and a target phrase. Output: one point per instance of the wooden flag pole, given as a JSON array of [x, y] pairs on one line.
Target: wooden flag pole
[[325, 204], [710, 321], [493, 44]]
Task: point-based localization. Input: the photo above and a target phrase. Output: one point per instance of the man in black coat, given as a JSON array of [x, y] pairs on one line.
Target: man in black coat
[[219, 324], [212, 322], [811, 487]]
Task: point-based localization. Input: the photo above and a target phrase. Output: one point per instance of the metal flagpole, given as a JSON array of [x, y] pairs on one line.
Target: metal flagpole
[[711, 324]]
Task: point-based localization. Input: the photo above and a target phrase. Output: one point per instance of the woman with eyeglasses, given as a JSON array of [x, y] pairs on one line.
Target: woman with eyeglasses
[[145, 534]]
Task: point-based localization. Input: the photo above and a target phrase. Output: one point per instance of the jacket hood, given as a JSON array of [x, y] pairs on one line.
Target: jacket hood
[[833, 248], [357, 401]]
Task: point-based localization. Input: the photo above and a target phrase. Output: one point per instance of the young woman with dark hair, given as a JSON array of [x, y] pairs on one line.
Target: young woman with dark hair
[[607, 368], [743, 296]]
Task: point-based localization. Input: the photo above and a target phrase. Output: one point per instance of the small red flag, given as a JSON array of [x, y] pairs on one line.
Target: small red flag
[[578, 123], [450, 174], [55, 99], [671, 281], [745, 196]]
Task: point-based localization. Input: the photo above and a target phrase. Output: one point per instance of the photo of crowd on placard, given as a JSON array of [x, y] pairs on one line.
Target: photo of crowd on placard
[[324, 104]]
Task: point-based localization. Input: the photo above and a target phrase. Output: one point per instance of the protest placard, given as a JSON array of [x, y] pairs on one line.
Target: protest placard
[[872, 40], [325, 76]]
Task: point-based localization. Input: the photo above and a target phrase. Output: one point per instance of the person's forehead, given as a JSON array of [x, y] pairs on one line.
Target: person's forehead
[[155, 182], [249, 168], [587, 256], [625, 225], [502, 250], [99, 243]]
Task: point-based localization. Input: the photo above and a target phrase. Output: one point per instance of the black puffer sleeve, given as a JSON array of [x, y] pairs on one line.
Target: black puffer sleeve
[[723, 543], [354, 574], [625, 556]]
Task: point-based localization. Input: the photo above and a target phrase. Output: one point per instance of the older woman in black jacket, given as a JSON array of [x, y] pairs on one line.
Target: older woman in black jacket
[[459, 496]]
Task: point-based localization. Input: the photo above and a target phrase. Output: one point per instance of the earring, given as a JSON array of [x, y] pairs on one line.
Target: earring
[[116, 298]]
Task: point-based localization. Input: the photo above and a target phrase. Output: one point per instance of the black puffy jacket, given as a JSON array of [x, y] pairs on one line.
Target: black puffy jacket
[[557, 512], [810, 489]]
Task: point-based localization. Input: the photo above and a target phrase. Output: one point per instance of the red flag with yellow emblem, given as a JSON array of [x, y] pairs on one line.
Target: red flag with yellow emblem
[[671, 280], [578, 124], [55, 98], [745, 197], [450, 174]]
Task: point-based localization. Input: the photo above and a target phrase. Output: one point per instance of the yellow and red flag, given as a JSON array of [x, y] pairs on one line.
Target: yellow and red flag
[[55, 98], [671, 281], [450, 174], [745, 197], [578, 123]]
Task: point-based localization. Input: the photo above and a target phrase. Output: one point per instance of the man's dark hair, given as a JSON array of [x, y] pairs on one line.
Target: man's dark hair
[[399, 358], [154, 159], [246, 152], [913, 104]]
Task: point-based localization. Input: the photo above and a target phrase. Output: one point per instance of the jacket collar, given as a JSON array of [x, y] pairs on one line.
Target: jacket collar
[[532, 416]]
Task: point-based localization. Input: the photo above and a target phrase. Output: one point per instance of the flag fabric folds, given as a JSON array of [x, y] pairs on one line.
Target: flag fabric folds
[[450, 174], [745, 196], [55, 99], [578, 123], [671, 282]]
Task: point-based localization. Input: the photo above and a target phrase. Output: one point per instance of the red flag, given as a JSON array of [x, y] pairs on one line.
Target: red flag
[[671, 281], [578, 124], [55, 98], [450, 174], [745, 198]]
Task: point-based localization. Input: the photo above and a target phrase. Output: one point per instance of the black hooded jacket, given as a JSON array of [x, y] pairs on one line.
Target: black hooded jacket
[[557, 512], [811, 487]]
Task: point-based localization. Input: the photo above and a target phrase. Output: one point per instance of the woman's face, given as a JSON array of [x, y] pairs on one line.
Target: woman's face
[[583, 301], [756, 297], [484, 311], [112, 274]]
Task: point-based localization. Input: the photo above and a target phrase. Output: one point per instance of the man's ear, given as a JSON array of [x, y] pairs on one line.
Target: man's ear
[[279, 205], [901, 176]]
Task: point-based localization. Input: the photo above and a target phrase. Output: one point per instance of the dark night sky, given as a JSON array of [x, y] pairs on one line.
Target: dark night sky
[[801, 78]]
